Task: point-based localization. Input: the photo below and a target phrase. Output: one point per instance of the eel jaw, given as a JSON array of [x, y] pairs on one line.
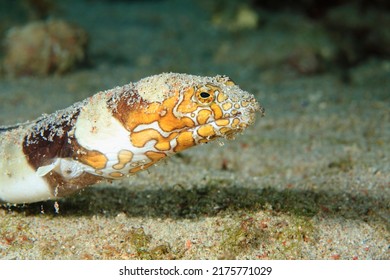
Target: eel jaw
[[228, 127], [239, 122]]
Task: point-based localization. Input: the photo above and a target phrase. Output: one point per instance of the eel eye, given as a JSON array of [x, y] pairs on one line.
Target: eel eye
[[204, 96]]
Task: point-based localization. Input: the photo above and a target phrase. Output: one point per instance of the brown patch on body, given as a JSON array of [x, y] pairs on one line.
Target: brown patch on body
[[41, 151], [61, 187]]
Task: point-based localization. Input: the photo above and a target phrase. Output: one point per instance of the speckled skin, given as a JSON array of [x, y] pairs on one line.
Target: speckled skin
[[117, 133]]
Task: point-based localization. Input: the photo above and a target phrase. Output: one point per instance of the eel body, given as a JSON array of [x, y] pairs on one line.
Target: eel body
[[118, 132]]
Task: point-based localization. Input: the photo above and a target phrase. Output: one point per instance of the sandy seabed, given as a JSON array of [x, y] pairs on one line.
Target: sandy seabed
[[310, 180]]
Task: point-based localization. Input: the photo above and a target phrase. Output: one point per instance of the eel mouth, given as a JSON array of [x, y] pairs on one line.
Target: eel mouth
[[225, 127], [228, 127], [217, 129]]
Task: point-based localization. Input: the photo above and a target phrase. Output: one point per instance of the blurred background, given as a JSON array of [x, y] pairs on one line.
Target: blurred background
[[238, 37]]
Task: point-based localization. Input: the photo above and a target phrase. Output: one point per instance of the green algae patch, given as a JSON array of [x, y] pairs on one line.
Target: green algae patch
[[242, 237], [141, 243], [343, 164], [292, 236], [267, 235]]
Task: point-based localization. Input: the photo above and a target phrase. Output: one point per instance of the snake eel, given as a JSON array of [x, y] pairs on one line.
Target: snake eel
[[118, 132]]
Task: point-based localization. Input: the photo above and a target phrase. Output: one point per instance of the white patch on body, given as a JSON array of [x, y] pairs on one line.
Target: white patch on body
[[96, 129], [19, 182], [43, 170], [68, 168], [154, 88]]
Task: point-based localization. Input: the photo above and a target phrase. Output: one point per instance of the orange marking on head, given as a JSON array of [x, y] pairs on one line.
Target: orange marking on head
[[155, 156], [124, 157], [187, 105], [234, 99], [235, 122], [222, 97], [140, 138], [94, 159], [217, 111], [227, 106], [203, 116], [163, 146], [141, 167], [225, 130], [142, 115], [222, 122], [134, 114], [184, 141], [116, 174], [161, 112], [206, 131], [244, 103], [170, 122]]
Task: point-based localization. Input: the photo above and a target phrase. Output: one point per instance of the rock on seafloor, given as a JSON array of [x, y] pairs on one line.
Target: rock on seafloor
[[41, 48]]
